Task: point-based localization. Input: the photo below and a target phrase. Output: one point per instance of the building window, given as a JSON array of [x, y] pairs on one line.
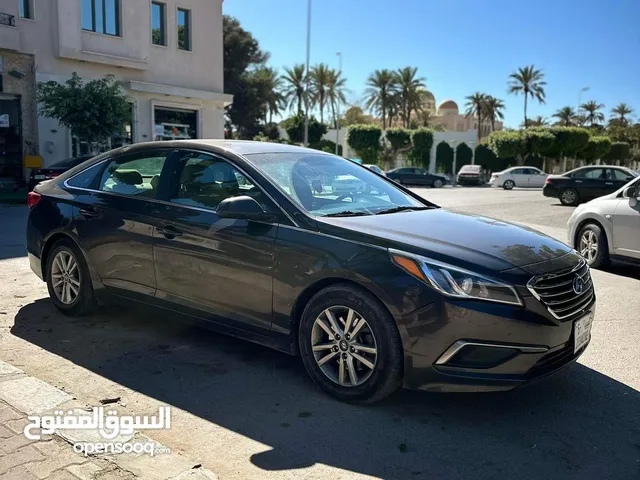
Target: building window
[[174, 124], [158, 23], [101, 16], [25, 9], [184, 29]]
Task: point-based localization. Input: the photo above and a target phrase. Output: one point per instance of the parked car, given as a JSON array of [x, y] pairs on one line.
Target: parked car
[[343, 184], [375, 168], [524, 177], [371, 290], [416, 176], [585, 183], [608, 227], [471, 175], [52, 171]]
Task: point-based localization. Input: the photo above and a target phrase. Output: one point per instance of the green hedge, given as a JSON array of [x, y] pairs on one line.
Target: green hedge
[[365, 141], [422, 141]]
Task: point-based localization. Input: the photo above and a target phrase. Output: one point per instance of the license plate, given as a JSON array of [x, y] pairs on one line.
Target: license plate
[[582, 331], [39, 177]]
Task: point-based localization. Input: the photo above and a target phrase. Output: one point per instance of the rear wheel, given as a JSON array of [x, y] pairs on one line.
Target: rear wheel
[[350, 345], [569, 196], [508, 185], [592, 245], [68, 280]]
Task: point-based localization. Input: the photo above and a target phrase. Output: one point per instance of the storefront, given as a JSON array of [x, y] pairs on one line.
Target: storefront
[[174, 123], [10, 138]]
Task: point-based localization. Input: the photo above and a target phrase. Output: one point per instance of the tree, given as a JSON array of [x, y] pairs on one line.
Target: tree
[[521, 144], [566, 116], [93, 111], [620, 152], [354, 115], [294, 88], [529, 82], [380, 91], [493, 110], [271, 131], [365, 140], [410, 87], [272, 84], [242, 56], [489, 160], [597, 148], [464, 155], [335, 92], [621, 113], [593, 116], [475, 106], [396, 141], [294, 126], [444, 158], [319, 77], [422, 141], [568, 142], [539, 121]]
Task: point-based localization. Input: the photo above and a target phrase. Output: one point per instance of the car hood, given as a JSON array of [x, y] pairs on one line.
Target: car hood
[[465, 240]]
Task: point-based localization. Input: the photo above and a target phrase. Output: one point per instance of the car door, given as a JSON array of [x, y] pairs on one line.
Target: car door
[[626, 226], [219, 268], [520, 177], [536, 177], [590, 182], [114, 219], [620, 177], [421, 177]]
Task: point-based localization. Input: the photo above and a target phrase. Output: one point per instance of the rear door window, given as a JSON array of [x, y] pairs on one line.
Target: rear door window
[[136, 176], [591, 173]]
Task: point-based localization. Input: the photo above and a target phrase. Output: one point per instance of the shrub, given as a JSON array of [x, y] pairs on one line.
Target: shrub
[[327, 146], [270, 130], [464, 155], [422, 141], [444, 158], [294, 126], [597, 147], [521, 144], [490, 161], [365, 140], [619, 151]]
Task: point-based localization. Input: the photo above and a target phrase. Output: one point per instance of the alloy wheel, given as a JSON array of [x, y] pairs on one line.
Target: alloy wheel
[[344, 346], [437, 183], [65, 277], [589, 245], [569, 197]]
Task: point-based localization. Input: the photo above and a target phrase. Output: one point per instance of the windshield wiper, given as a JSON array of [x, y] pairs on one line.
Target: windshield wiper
[[346, 213], [402, 209]]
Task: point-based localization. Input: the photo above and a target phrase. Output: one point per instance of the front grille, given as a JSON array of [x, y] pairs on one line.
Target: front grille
[[556, 291]]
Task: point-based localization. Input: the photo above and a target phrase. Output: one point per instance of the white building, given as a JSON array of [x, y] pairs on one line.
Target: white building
[[168, 53]]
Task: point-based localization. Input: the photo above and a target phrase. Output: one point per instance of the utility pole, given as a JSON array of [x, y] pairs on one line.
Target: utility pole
[[339, 54], [306, 115]]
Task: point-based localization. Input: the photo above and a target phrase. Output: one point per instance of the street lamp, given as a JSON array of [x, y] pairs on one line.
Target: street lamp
[[306, 116], [339, 54]]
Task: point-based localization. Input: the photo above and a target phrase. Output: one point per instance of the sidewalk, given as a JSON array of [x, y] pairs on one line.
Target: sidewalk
[[53, 457]]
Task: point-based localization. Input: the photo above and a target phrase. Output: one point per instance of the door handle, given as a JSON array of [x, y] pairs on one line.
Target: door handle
[[608, 183], [578, 181], [169, 232], [88, 213]]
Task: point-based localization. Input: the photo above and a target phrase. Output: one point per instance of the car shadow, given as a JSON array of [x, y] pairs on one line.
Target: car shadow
[[578, 424], [623, 269]]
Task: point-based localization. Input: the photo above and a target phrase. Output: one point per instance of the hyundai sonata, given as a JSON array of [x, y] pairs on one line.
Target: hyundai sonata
[[373, 289]]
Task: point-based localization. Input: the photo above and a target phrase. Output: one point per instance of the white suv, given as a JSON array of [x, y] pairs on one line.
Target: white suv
[[608, 227]]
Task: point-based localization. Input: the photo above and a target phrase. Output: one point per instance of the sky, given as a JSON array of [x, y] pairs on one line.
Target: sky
[[463, 46]]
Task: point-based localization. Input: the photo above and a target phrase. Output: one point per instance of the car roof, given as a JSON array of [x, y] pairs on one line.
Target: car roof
[[240, 147]]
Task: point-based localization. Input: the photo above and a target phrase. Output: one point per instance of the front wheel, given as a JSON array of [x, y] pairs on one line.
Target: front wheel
[[508, 185], [437, 184], [68, 280], [350, 345], [569, 196], [592, 245]]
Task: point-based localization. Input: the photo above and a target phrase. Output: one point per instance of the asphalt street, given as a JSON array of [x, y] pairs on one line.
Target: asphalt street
[[248, 412]]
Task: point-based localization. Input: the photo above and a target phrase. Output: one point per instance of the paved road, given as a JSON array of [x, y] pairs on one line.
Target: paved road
[[248, 412]]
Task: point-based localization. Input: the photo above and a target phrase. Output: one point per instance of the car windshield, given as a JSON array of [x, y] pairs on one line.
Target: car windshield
[[326, 185], [470, 169]]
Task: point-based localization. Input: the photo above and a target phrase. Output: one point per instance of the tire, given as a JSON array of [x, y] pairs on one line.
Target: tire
[[83, 302], [569, 196], [592, 245], [379, 332], [437, 184], [508, 185]]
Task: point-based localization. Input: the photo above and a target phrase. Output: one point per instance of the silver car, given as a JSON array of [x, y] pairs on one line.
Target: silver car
[[608, 227]]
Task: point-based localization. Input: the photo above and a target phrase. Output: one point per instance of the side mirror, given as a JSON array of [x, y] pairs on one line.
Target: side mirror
[[243, 208], [629, 192]]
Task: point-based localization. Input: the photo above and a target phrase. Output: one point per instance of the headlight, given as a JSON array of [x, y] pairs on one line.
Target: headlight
[[453, 281]]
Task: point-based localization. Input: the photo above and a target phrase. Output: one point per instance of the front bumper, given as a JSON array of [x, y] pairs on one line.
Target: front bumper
[[478, 346]]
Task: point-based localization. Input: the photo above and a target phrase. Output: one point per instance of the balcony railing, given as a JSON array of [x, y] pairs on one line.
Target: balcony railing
[[6, 19]]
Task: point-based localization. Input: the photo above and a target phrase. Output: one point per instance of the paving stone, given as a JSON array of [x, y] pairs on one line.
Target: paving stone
[[8, 369], [32, 395], [7, 413], [113, 472], [62, 475], [196, 474], [17, 425], [5, 432], [18, 441], [58, 455], [18, 473], [20, 457], [86, 471]]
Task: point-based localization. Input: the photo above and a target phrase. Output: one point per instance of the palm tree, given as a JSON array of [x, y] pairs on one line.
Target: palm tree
[[530, 82], [493, 110], [274, 99], [539, 121], [335, 92], [622, 110], [566, 116], [381, 87], [409, 87], [593, 116], [320, 75], [294, 89], [475, 106]]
